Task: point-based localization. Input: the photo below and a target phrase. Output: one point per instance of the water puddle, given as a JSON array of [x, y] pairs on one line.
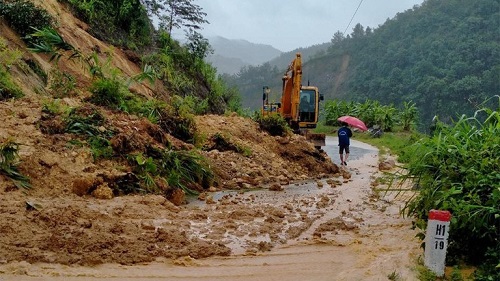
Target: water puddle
[[304, 206]]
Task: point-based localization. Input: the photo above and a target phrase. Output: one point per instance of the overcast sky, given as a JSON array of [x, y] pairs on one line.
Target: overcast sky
[[290, 24]]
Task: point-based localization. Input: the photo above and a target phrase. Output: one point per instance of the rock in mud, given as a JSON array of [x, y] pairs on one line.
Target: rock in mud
[[103, 191], [276, 187], [346, 175], [177, 196], [386, 165], [82, 186]]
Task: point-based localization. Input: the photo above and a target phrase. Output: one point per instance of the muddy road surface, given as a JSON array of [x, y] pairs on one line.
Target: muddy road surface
[[340, 228]]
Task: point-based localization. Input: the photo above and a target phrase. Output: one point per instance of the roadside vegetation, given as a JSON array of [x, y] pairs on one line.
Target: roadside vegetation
[[373, 113], [456, 169]]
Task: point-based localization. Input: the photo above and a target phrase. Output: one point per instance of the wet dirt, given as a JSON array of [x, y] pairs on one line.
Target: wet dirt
[[321, 229]]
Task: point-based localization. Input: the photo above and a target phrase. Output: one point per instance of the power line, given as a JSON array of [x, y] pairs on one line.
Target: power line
[[353, 16]]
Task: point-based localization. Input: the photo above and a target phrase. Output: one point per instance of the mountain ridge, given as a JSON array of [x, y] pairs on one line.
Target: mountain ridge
[[230, 55]]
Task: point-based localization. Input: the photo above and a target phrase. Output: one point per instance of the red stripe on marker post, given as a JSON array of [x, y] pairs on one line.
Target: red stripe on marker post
[[439, 215]]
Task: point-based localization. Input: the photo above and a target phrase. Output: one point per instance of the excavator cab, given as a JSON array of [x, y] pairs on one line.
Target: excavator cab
[[307, 106]]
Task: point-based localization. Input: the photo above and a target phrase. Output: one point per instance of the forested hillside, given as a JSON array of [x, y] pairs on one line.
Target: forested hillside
[[442, 55], [250, 79]]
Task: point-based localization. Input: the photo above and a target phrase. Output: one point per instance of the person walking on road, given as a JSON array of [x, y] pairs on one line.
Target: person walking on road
[[344, 134]]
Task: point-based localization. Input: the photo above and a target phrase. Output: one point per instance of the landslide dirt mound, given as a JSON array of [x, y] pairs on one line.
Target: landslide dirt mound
[[60, 219], [261, 159]]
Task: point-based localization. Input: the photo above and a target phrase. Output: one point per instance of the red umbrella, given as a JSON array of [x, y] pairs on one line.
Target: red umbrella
[[353, 121]]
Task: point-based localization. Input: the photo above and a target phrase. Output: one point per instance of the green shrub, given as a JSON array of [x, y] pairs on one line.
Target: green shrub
[[54, 107], [372, 113], [107, 92], [120, 22], [146, 169], [88, 123], [23, 16], [47, 40], [8, 164], [184, 169], [274, 124], [8, 57], [178, 169], [151, 109], [457, 170], [178, 119], [62, 84], [8, 89], [100, 147]]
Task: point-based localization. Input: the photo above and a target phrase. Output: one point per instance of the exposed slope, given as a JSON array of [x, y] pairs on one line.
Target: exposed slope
[[59, 220]]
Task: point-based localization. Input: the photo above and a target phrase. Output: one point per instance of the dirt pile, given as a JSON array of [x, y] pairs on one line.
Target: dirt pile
[[263, 160]]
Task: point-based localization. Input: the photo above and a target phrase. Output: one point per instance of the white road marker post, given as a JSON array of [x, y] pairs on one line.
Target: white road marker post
[[436, 241]]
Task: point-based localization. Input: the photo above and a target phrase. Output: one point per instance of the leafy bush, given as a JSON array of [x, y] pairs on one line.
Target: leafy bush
[[185, 169], [48, 40], [85, 121], [178, 119], [8, 89], [151, 109], [100, 147], [23, 16], [8, 164], [457, 170], [120, 22], [88, 122], [190, 77], [274, 124], [176, 169], [62, 84], [54, 107], [372, 113], [107, 92]]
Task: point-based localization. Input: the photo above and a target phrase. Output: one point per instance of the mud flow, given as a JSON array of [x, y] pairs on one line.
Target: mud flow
[[335, 228]]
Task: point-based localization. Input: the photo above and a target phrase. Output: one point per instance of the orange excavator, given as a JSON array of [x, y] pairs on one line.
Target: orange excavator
[[299, 104]]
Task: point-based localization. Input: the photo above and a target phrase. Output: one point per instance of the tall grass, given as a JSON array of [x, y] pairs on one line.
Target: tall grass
[[8, 164], [457, 170], [186, 170], [8, 58]]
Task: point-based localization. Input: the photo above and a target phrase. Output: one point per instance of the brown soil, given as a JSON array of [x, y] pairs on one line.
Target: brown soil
[[287, 200]]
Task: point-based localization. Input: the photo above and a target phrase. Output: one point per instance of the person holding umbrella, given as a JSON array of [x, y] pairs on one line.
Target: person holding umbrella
[[344, 134]]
